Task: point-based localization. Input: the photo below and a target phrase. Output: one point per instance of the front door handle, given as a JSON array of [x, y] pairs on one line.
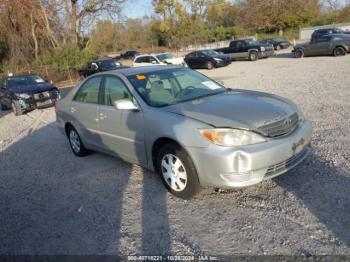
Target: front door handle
[[102, 116]]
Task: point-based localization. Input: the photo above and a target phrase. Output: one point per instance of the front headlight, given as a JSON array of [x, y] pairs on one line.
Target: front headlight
[[231, 137], [24, 96], [218, 59], [262, 49]]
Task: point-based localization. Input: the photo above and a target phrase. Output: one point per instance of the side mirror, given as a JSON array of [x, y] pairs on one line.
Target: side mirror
[[125, 104]]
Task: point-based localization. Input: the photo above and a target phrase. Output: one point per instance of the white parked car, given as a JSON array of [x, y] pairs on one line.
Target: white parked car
[[158, 59]]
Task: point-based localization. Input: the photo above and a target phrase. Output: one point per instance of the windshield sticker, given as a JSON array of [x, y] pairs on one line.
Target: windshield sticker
[[211, 85], [141, 77]]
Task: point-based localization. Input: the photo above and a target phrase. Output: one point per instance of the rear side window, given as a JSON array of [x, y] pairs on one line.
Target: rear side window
[[88, 92], [115, 90], [143, 59]]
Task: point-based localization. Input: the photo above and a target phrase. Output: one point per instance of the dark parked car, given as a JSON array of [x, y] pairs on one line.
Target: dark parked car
[[327, 31], [130, 54], [23, 93], [277, 43], [101, 65], [247, 49], [207, 59], [337, 45]]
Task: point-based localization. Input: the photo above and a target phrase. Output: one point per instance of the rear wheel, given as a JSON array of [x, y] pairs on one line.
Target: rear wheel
[[299, 53], [253, 56], [210, 65], [16, 107], [76, 144], [339, 51], [177, 171]]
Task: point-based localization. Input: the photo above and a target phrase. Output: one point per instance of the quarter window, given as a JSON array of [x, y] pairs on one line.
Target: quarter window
[[115, 90], [88, 92]]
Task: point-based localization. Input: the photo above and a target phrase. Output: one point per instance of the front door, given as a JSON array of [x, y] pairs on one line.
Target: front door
[[83, 110], [121, 131]]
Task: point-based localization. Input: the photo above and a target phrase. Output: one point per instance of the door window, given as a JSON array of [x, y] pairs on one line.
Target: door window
[[115, 89], [88, 92], [143, 59]]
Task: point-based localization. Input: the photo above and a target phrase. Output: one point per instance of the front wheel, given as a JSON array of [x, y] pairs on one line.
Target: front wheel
[[299, 53], [210, 65], [339, 51], [177, 171], [16, 108], [76, 144], [253, 56]]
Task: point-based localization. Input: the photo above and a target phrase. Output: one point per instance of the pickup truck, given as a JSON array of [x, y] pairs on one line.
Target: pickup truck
[[247, 49], [100, 65]]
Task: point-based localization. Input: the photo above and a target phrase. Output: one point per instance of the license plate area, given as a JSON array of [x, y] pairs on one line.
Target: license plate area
[[44, 103]]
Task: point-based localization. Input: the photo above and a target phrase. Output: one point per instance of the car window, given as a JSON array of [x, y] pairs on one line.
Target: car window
[[191, 55], [153, 60], [88, 92], [323, 39], [115, 90], [142, 59]]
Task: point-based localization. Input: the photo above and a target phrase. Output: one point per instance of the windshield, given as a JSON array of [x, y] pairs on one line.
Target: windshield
[[172, 86], [163, 57], [25, 80], [210, 52], [109, 64]]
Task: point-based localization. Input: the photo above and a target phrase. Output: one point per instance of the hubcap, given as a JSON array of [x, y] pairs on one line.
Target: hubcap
[[74, 141], [174, 172]]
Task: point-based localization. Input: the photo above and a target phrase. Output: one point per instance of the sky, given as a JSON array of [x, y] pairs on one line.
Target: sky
[[137, 8]]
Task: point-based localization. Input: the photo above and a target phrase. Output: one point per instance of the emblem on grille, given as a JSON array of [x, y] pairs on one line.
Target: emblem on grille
[[288, 122], [41, 96]]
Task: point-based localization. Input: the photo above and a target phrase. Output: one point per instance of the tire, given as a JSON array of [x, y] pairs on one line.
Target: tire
[[177, 171], [209, 65], [253, 56], [16, 108], [299, 53], [76, 144], [278, 48], [3, 107], [339, 51]]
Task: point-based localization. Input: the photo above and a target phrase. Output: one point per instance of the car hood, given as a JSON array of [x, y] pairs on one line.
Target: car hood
[[33, 89], [236, 109]]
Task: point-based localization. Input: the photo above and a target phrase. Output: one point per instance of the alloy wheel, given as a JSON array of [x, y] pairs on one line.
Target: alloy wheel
[[74, 141]]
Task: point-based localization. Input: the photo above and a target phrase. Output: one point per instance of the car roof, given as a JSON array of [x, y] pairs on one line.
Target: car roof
[[143, 70]]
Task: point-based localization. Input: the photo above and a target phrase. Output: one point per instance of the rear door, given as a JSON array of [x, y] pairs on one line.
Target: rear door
[[83, 111], [121, 131]]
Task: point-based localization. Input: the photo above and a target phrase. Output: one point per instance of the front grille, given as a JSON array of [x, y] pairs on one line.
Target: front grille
[[286, 165], [42, 95], [281, 127]]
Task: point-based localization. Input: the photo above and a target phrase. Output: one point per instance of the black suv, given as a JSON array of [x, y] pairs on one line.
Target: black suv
[[101, 65], [247, 49], [277, 43], [327, 31], [23, 93]]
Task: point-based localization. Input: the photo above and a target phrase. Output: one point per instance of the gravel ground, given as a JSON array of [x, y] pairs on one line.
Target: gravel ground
[[54, 203]]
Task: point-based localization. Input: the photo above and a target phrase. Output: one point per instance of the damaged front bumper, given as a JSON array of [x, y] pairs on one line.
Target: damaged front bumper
[[248, 165]]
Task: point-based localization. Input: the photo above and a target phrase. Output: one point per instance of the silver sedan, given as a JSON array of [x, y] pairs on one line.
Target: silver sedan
[[185, 126]]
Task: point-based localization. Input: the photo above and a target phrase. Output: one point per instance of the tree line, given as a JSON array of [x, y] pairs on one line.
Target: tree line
[[37, 32]]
